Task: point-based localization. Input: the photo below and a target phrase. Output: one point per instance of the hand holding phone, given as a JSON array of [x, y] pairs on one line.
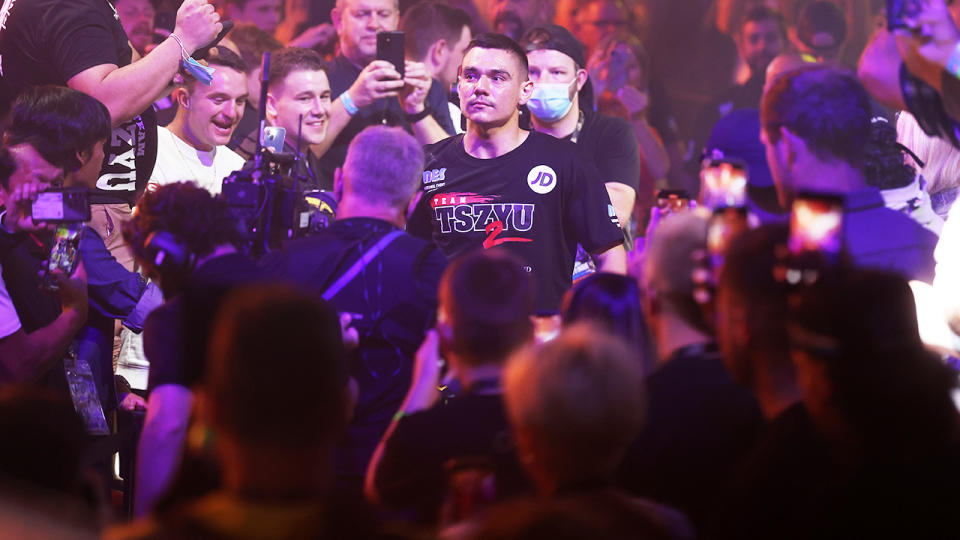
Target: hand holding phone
[[390, 47], [672, 201], [64, 256]]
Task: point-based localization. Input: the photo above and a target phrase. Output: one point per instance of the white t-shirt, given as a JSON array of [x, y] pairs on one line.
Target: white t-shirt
[[9, 321], [177, 161]]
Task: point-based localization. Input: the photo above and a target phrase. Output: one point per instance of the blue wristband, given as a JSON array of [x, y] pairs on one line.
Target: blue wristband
[[348, 103]]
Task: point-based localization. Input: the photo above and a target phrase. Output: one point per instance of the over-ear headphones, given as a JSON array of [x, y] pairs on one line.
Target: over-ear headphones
[[167, 254]]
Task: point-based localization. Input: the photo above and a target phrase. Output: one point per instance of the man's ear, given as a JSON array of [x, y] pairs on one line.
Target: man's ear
[[582, 77], [271, 107], [182, 98], [792, 146], [338, 183], [438, 52], [526, 90]]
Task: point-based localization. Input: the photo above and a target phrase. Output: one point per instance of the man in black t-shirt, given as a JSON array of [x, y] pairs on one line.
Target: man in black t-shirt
[[81, 44], [558, 71], [499, 185], [482, 319]]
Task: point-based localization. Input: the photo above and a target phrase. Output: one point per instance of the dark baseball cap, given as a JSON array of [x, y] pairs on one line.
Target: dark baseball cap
[[554, 38], [822, 26]]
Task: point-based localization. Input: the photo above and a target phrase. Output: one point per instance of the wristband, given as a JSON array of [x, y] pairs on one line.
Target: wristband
[[348, 103], [953, 63], [414, 118]]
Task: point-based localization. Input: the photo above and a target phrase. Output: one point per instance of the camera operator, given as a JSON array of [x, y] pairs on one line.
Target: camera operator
[[392, 298], [56, 135], [186, 240], [29, 348], [82, 44], [193, 147], [298, 100]]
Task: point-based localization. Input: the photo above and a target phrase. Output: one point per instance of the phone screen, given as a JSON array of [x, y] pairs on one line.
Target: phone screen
[[899, 12], [724, 183], [390, 48], [816, 225], [672, 201], [64, 254], [62, 205]]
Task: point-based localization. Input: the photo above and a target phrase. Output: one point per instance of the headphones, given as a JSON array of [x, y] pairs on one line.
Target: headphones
[[167, 254]]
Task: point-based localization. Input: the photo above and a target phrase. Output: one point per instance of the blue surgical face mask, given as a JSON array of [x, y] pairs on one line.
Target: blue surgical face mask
[[550, 101]]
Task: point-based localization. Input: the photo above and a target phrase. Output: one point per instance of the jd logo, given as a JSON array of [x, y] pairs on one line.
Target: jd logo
[[542, 179]]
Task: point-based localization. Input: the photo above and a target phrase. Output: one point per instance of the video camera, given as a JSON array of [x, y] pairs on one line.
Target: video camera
[[275, 198]]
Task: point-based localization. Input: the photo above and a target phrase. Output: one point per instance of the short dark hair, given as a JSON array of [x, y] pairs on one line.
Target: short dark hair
[[762, 13], [885, 167], [489, 298], [59, 123], [219, 56], [826, 107], [252, 42], [427, 23], [276, 349], [293, 59], [491, 40], [188, 212]]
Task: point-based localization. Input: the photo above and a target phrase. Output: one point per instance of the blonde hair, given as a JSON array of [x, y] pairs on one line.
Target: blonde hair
[[941, 161], [580, 397]]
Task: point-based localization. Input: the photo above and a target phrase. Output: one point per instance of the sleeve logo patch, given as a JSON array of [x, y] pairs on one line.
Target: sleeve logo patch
[[542, 179]]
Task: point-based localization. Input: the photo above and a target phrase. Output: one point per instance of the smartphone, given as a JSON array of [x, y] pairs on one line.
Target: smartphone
[[899, 12], [59, 205], [390, 48], [671, 201], [816, 224], [273, 137], [724, 183], [618, 72], [725, 223], [64, 255]]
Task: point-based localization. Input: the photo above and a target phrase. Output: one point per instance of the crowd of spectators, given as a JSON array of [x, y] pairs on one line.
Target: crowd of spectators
[[528, 304]]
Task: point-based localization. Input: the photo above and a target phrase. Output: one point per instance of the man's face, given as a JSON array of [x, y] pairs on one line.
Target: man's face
[[305, 94], [136, 16], [264, 14], [212, 112], [599, 19], [549, 66], [33, 169], [514, 17], [491, 87], [357, 24], [760, 42], [448, 72]]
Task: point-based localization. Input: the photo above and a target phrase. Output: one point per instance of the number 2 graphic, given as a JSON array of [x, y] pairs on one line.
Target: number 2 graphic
[[493, 230]]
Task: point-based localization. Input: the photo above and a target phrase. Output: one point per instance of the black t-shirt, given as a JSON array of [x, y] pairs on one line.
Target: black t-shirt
[[387, 111], [51, 41], [411, 472], [610, 144], [538, 201], [175, 334]]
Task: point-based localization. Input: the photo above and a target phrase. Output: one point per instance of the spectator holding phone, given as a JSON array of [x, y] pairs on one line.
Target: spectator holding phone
[[56, 136], [30, 348], [368, 91]]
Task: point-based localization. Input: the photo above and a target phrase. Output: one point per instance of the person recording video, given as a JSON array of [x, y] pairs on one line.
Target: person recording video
[[298, 100], [56, 137]]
